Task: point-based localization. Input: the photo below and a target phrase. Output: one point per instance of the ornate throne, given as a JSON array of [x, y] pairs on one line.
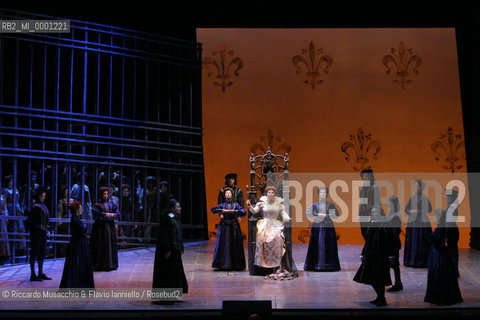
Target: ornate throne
[[266, 170]]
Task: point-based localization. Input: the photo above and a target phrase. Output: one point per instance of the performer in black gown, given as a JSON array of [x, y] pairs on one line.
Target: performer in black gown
[[453, 235], [377, 256], [229, 254], [369, 198], [168, 266], [396, 225], [417, 246], [103, 241], [77, 271], [37, 224], [231, 182], [322, 254], [442, 283]]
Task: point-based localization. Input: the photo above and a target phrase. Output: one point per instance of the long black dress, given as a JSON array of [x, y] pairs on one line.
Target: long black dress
[[169, 273], [103, 241], [77, 272], [322, 254], [417, 246], [229, 254], [442, 284], [379, 246]]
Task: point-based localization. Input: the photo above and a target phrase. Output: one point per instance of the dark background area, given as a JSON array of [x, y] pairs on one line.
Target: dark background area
[[181, 18]]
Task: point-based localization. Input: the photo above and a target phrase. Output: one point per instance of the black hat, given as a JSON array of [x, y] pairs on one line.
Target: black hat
[[231, 175], [370, 171]]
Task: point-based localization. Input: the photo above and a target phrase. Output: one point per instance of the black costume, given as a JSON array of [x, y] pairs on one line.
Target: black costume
[[103, 241], [229, 254], [77, 272], [442, 284], [237, 195], [37, 224], [417, 246], [169, 273], [369, 199], [375, 268], [322, 254], [395, 224]]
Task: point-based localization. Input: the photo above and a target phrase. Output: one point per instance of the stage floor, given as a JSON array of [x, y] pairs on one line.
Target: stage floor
[[208, 288]]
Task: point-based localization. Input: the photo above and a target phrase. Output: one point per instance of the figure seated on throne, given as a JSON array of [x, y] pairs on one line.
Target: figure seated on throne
[[271, 252]]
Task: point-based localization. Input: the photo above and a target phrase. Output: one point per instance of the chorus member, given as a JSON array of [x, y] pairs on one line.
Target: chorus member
[[78, 270], [103, 241], [168, 269], [369, 199], [396, 225], [322, 253], [377, 257], [453, 234], [231, 182], [417, 246], [229, 253], [442, 280], [37, 223]]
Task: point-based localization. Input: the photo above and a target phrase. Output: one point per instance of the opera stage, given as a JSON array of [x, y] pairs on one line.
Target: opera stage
[[313, 293]]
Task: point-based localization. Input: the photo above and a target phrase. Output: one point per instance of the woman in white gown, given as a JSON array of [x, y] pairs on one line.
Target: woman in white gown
[[271, 251]]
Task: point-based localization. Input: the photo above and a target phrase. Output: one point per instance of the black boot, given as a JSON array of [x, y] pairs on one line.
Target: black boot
[[43, 276], [33, 276]]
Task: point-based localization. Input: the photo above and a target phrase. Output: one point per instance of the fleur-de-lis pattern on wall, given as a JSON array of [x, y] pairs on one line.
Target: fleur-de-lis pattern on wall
[[402, 58], [223, 62], [270, 141], [450, 150], [363, 148], [312, 60]]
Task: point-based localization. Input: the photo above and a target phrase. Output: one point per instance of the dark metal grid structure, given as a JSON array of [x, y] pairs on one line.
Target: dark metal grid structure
[[98, 106]]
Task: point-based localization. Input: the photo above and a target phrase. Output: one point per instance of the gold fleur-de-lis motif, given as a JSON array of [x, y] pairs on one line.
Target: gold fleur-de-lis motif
[[402, 58], [271, 142], [312, 59], [363, 147], [450, 150], [222, 62]]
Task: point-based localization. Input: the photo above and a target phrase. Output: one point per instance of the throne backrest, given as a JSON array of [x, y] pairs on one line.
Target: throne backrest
[[268, 170]]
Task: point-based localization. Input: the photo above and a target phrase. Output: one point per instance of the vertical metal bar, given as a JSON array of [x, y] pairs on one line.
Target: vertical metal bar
[[110, 100], [123, 85], [14, 207], [82, 187], [44, 91], [57, 96], [98, 101], [135, 99], [71, 93], [31, 96], [85, 65], [85, 61], [2, 45], [45, 78], [17, 70], [29, 184]]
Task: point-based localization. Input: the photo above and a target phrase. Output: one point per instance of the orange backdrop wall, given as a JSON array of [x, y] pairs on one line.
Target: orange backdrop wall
[[310, 91]]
